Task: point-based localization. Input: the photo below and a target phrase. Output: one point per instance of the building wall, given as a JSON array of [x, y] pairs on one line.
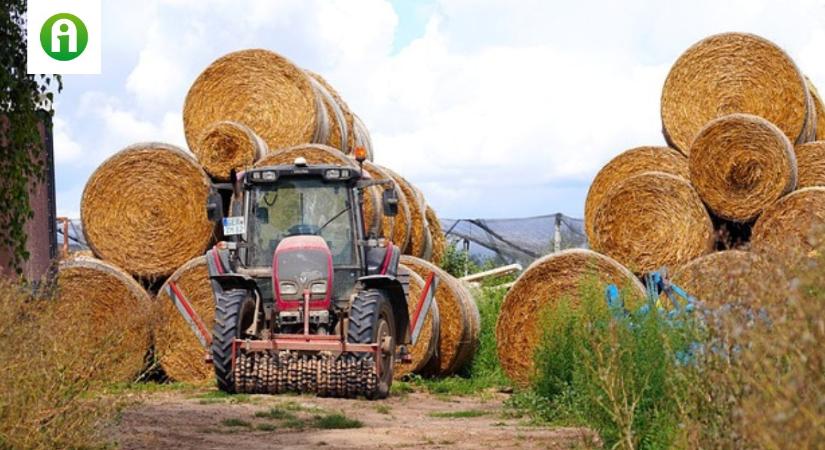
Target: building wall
[[42, 236]]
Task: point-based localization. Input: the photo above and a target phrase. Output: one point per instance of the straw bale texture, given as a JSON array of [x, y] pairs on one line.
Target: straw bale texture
[[313, 153], [260, 89], [456, 332], [338, 131], [343, 107], [226, 146], [439, 239], [810, 163], [546, 281], [732, 276], [144, 209], [362, 136], [652, 220], [793, 228], [425, 348], [731, 73], [628, 163], [398, 228], [177, 349], [419, 231], [819, 110], [112, 307], [740, 164]]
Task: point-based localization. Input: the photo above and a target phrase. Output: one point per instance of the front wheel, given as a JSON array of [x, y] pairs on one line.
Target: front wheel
[[371, 320], [234, 313]]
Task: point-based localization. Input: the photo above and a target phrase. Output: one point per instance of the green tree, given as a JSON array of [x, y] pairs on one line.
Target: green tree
[[25, 100]]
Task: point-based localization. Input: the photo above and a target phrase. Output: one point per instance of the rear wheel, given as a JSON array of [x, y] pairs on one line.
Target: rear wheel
[[371, 320], [234, 313]]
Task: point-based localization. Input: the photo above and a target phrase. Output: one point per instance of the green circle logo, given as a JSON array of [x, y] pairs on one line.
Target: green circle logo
[[64, 37]]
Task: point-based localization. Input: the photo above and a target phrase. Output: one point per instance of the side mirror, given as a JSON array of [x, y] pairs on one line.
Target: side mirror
[[390, 201], [214, 206], [262, 214]]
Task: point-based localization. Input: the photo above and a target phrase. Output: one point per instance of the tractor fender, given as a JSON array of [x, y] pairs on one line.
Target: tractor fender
[[221, 275], [397, 297]]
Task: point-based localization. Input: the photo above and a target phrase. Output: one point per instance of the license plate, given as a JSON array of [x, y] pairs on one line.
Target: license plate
[[233, 226]]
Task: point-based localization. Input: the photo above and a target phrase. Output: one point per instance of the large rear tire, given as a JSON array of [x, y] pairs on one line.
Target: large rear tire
[[234, 312], [371, 320]]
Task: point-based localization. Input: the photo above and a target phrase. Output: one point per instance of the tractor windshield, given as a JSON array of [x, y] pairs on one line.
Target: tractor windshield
[[300, 206]]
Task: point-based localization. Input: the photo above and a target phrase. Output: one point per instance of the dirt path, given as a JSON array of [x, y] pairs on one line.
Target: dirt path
[[416, 420]]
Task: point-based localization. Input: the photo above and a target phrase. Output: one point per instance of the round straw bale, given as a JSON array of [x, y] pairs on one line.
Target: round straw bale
[[731, 73], [546, 281], [424, 349], [439, 239], [312, 153], [107, 308], [176, 346], [740, 164], [810, 163], [226, 146], [418, 222], [456, 333], [793, 228], [362, 136], [651, 220], [469, 346], [732, 276], [349, 142], [819, 111], [260, 89], [398, 228], [628, 163], [338, 128], [144, 209]]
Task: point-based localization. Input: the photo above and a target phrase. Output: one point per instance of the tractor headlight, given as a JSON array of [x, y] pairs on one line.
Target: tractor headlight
[[288, 288], [319, 287], [333, 174], [270, 175]]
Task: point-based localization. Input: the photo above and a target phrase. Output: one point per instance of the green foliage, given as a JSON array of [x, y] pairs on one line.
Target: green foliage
[[275, 413], [234, 422], [617, 374], [336, 421], [25, 101], [266, 427], [463, 414]]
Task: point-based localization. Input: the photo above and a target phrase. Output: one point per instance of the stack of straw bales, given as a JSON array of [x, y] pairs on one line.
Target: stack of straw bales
[[144, 208], [732, 204]]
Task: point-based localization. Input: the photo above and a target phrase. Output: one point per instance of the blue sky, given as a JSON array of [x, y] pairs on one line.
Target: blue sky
[[493, 108]]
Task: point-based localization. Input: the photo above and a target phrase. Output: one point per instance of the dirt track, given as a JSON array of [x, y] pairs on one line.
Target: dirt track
[[416, 420]]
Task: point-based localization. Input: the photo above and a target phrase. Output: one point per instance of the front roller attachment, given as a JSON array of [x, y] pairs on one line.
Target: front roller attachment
[[322, 365]]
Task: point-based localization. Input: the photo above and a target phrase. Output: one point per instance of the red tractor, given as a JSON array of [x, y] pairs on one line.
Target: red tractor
[[306, 299]]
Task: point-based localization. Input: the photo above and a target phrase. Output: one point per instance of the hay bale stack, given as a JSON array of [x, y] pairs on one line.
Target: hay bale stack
[[419, 231], [176, 346], [262, 90], [458, 333], [549, 279], [144, 210], [627, 164], [398, 228], [109, 310], [425, 348], [313, 153], [651, 220], [793, 228], [810, 163], [227, 146], [740, 164], [438, 237], [338, 127], [732, 73], [732, 276], [819, 111]]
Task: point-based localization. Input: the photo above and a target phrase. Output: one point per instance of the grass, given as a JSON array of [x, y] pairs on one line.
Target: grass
[[336, 421], [266, 427], [383, 409], [464, 414], [277, 413], [216, 396], [236, 423]]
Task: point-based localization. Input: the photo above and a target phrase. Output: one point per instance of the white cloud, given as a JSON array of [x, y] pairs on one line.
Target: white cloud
[[66, 149]]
